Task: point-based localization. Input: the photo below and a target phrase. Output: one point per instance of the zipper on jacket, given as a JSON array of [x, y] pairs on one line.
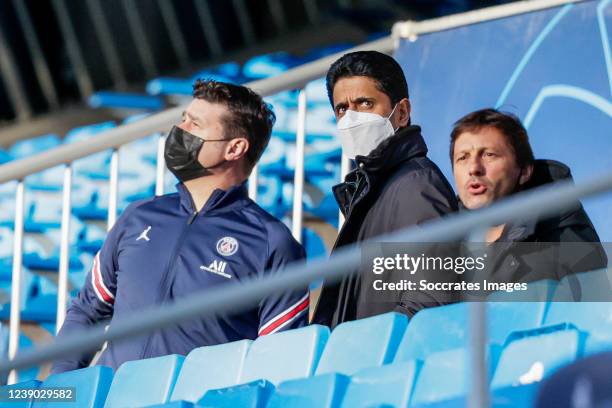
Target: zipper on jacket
[[169, 269]]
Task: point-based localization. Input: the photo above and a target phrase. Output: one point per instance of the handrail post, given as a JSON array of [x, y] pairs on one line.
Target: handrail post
[[113, 189], [298, 179], [64, 260], [15, 315], [253, 180]]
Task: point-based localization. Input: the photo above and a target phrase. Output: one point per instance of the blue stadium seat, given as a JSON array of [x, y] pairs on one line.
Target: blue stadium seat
[[591, 286], [598, 340], [264, 66], [125, 100], [250, 395], [322, 391], [327, 209], [313, 243], [46, 180], [364, 343], [29, 147], [23, 375], [170, 86], [446, 327], [81, 133], [29, 287], [22, 385], [5, 156], [228, 69], [389, 385], [509, 397], [286, 355], [530, 359], [587, 316], [210, 367], [40, 309], [144, 382], [90, 239], [269, 191], [91, 386], [445, 375], [174, 404], [184, 86]]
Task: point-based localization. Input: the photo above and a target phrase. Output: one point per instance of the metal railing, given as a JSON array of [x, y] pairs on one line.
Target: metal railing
[[541, 202], [525, 205]]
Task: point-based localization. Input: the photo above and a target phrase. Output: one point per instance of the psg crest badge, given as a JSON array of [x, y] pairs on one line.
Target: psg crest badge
[[227, 246]]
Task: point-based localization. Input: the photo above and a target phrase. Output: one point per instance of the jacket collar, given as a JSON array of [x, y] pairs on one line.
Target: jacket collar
[[235, 197], [404, 145]]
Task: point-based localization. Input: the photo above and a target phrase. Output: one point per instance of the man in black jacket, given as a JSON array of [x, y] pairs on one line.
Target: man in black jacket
[[492, 159], [394, 184]]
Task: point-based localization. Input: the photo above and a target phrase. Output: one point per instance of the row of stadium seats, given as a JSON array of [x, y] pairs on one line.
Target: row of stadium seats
[[162, 90], [381, 360]]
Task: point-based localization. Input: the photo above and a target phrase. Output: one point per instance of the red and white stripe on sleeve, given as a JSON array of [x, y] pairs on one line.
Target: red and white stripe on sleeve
[[286, 316], [104, 295]]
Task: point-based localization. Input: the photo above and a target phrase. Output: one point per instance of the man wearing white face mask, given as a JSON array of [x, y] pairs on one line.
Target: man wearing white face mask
[[394, 185]]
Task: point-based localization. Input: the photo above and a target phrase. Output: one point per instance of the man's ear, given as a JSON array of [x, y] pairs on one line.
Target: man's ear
[[237, 148], [402, 114], [526, 173]]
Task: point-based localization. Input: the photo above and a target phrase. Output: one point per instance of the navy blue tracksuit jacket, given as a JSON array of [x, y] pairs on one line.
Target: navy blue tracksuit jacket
[[161, 250]]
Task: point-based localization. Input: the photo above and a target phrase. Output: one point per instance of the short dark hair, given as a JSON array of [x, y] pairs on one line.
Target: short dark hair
[[382, 68], [249, 115], [508, 124]]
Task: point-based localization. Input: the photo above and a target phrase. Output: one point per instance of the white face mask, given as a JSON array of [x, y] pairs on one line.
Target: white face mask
[[362, 132]]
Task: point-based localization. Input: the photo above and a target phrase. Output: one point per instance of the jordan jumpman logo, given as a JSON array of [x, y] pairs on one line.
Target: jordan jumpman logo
[[144, 234]]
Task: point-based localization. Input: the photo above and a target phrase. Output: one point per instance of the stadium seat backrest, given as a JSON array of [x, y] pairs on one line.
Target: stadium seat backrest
[[447, 327], [29, 147], [446, 374], [594, 286], [25, 385], [324, 391], [369, 342], [91, 386], [586, 316], [389, 385], [509, 397], [144, 382], [530, 359], [432, 330], [506, 317], [598, 341], [174, 404], [286, 355], [208, 368], [251, 395]]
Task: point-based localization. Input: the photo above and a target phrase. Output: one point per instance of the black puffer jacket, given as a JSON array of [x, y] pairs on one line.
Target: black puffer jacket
[[549, 248], [394, 187]]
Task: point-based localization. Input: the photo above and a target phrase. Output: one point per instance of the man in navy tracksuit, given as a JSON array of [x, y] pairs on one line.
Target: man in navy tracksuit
[[208, 234]]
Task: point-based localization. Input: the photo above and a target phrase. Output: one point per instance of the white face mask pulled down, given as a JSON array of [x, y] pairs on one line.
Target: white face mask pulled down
[[362, 132]]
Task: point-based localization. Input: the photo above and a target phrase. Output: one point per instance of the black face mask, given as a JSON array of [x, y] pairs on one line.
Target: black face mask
[[181, 154]]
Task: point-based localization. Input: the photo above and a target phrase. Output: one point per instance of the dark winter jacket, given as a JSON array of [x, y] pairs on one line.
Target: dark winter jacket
[[394, 187], [161, 250]]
